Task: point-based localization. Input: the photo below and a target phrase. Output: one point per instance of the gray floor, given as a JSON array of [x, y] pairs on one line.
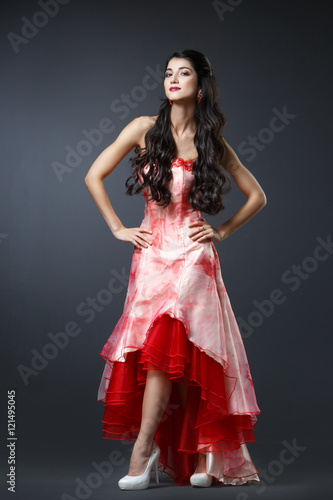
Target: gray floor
[[54, 472]]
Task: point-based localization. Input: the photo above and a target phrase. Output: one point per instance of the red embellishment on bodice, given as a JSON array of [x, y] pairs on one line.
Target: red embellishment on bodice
[[179, 162]]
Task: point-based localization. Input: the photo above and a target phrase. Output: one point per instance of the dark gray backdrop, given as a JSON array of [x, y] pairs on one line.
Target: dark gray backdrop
[[67, 68]]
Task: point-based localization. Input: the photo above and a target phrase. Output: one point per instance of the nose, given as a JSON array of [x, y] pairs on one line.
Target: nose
[[174, 79]]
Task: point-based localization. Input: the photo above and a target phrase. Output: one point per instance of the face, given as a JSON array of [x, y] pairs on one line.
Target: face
[[180, 80]]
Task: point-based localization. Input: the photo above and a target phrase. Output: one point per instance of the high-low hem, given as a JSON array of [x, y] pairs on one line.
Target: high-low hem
[[205, 425]]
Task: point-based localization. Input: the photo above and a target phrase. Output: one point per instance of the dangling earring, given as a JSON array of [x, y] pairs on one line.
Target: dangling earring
[[199, 96], [170, 102]]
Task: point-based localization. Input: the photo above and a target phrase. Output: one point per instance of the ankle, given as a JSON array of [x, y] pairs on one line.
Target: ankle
[[144, 442], [201, 464], [143, 447]]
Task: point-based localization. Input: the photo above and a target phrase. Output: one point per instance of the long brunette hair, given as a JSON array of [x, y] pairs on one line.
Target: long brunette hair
[[210, 181]]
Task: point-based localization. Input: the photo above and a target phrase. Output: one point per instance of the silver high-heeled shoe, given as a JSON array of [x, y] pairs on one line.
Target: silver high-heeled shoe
[[141, 482], [201, 478]]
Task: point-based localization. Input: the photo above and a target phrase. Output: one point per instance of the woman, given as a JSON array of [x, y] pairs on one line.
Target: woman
[[176, 379]]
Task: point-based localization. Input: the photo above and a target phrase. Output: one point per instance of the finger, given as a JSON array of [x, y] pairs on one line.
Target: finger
[[132, 240], [142, 243], [198, 233], [203, 236], [138, 242], [143, 238], [196, 223], [197, 230]]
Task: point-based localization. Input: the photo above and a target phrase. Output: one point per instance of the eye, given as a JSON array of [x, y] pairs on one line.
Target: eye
[[186, 73]]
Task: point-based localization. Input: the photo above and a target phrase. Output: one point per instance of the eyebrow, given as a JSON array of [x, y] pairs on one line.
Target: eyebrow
[[181, 67]]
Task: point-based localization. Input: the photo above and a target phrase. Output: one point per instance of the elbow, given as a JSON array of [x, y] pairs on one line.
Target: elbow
[[90, 179], [260, 200], [93, 183]]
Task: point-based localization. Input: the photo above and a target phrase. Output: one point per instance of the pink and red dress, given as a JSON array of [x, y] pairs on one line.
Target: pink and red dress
[[178, 318]]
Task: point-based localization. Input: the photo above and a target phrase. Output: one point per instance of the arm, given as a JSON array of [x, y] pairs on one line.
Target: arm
[[247, 183], [106, 162]]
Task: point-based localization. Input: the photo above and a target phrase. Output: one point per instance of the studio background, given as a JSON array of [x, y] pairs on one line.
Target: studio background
[[68, 87]]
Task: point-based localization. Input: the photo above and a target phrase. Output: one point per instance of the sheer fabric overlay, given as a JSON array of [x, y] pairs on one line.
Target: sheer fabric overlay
[[178, 318]]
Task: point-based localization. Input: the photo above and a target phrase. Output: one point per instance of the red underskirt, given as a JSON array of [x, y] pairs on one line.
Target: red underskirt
[[205, 420]]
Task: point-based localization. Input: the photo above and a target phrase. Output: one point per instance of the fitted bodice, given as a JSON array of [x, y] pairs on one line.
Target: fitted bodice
[[179, 209]]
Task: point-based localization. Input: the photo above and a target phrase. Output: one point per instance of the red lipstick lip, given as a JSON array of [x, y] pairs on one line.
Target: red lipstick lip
[[174, 88]]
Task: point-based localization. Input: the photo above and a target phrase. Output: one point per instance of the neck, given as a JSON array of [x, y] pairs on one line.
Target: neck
[[182, 118]]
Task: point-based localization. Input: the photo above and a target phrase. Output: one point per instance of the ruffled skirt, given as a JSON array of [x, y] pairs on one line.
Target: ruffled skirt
[[206, 423]]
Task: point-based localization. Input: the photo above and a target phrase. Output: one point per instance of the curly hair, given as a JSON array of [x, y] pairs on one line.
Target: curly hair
[[211, 183]]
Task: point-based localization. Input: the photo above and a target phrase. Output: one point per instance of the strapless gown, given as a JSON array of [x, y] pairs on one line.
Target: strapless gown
[[177, 317]]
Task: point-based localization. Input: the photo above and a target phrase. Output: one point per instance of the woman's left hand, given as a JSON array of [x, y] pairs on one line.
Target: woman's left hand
[[204, 232]]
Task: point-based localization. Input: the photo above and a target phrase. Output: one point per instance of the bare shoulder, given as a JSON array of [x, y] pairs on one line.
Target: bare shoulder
[[147, 121], [134, 132], [144, 123]]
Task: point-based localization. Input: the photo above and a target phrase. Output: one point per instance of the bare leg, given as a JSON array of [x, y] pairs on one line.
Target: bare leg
[[183, 390], [201, 467], [155, 399]]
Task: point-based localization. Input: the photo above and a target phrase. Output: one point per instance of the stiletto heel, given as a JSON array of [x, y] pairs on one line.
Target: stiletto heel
[[141, 482], [156, 472]]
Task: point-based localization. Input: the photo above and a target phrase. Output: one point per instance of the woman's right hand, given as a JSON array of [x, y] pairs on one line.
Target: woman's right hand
[[136, 235]]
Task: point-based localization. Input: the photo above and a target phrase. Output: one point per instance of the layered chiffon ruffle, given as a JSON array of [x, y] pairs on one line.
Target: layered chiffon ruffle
[[206, 424], [178, 318]]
